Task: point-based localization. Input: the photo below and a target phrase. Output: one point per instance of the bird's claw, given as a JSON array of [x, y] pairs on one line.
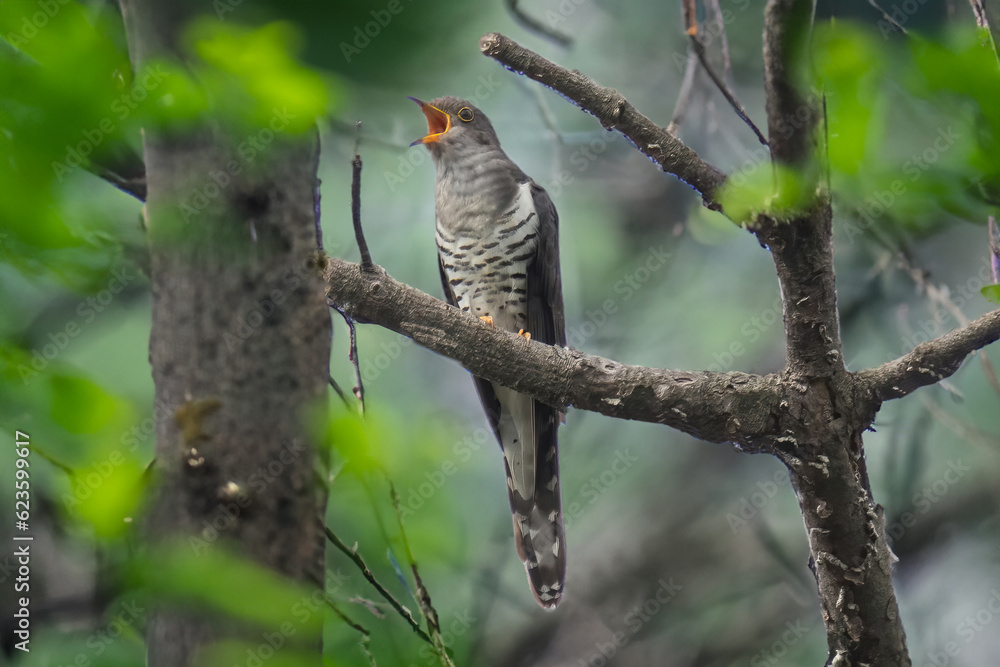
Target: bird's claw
[[487, 320], [525, 334]]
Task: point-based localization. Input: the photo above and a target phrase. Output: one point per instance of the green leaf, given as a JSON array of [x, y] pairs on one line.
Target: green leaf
[[81, 406], [254, 75], [991, 292], [768, 189], [202, 572], [108, 493]]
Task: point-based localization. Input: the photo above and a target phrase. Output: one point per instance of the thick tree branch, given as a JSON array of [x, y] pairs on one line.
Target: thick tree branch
[[802, 247], [718, 407], [615, 113], [929, 363], [849, 555], [791, 116]]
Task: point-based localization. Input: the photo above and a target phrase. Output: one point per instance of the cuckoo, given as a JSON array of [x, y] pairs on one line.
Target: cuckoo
[[498, 252]]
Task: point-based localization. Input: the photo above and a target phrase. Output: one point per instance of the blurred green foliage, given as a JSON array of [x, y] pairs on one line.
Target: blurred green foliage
[[650, 278]]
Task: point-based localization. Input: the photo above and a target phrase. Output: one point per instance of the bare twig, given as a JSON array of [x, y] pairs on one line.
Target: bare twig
[[132, 185], [699, 50], [939, 296], [982, 20], [690, 8], [888, 18], [352, 354], [614, 112], [720, 24], [423, 595], [339, 391], [698, 47], [366, 637], [317, 199], [684, 96], [359, 233], [382, 590], [536, 26], [994, 238]]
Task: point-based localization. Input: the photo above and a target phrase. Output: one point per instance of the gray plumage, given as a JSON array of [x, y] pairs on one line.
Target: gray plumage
[[498, 252]]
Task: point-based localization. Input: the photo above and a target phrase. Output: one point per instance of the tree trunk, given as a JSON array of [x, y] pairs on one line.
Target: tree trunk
[[240, 342]]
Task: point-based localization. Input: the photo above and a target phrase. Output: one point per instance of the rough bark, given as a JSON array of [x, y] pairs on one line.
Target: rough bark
[[615, 113], [811, 416], [239, 346], [717, 407]]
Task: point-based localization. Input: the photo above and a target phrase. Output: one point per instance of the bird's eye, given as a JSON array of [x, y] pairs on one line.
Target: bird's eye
[[465, 113]]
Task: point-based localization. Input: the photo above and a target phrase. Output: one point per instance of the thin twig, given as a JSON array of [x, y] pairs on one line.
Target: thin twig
[[339, 392], [423, 596], [994, 237], [359, 233], [727, 66], [979, 9], [888, 18], [613, 111], [690, 8], [699, 50], [684, 96], [367, 573], [939, 296], [535, 25], [316, 196], [366, 637], [352, 354]]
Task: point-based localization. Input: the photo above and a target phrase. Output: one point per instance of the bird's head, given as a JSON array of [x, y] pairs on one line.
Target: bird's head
[[453, 123]]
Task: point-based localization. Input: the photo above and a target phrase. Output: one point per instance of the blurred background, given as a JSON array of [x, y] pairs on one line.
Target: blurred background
[[680, 552]]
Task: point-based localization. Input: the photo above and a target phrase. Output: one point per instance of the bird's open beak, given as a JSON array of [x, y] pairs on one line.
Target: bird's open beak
[[438, 122]]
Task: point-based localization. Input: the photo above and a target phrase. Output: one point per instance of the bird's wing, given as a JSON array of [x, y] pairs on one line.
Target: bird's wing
[[546, 320], [487, 396], [538, 521]]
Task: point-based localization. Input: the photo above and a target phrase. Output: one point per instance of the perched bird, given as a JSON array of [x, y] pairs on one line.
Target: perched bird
[[498, 251]]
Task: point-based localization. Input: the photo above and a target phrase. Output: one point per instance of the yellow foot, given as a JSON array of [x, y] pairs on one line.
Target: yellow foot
[[487, 320], [525, 334]]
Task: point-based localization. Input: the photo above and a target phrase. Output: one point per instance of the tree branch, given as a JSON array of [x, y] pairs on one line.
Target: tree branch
[[929, 363], [802, 247], [615, 113], [718, 407]]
